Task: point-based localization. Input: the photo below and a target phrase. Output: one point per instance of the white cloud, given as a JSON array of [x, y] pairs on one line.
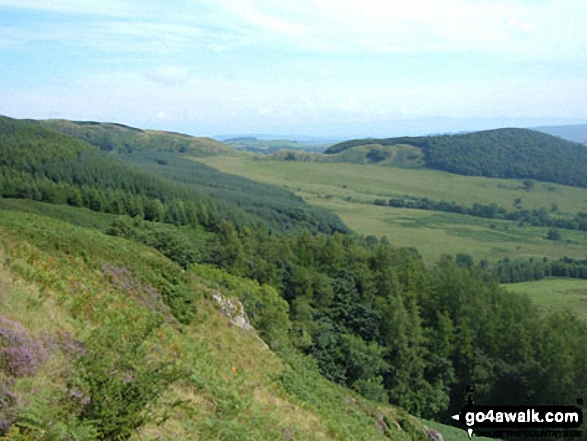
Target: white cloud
[[305, 60], [505, 26]]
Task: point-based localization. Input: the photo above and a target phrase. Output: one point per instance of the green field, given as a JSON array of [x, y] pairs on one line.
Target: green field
[[366, 182], [350, 189], [554, 295]]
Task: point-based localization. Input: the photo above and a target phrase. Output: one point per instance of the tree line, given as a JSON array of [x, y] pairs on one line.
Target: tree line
[[540, 217]]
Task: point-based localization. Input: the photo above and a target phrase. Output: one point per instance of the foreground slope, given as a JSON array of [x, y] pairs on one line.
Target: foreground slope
[[501, 153], [113, 363]]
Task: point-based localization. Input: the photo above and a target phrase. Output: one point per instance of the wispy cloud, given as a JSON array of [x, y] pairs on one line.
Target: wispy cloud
[[507, 26], [532, 29]]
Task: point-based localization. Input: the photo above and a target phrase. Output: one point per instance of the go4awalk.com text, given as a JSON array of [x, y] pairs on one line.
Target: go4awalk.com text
[[524, 421]]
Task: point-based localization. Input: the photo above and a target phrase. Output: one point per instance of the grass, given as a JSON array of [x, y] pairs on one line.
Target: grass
[[555, 295], [77, 216], [349, 191], [452, 433], [233, 387], [366, 182]]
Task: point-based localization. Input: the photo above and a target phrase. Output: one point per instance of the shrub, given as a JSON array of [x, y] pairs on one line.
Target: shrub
[[120, 378], [20, 354]]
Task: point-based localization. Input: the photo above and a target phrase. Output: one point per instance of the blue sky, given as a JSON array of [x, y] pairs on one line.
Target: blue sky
[[314, 67]]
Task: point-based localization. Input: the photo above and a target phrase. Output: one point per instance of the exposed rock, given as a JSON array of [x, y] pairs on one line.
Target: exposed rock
[[234, 310], [433, 435]]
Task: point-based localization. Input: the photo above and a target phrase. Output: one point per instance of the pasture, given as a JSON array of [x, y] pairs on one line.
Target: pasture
[[555, 295], [349, 190]]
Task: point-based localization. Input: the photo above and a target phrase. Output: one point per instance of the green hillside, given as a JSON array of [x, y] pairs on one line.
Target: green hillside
[[113, 137], [41, 164], [112, 364], [350, 334], [501, 153], [44, 165], [244, 201]]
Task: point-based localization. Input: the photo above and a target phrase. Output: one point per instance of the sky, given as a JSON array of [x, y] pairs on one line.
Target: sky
[[328, 68]]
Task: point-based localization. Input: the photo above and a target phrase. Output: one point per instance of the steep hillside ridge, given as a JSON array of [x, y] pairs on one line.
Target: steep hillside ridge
[[112, 363], [503, 153], [279, 208], [120, 138]]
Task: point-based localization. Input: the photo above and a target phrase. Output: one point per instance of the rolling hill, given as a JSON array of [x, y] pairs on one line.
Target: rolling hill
[[118, 138], [501, 153], [243, 200], [47, 165]]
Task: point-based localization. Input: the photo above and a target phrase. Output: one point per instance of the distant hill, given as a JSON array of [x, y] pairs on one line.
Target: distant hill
[[266, 146], [42, 164], [121, 138], [38, 162], [503, 153], [575, 133]]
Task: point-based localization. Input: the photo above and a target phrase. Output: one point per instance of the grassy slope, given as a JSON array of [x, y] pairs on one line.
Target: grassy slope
[[349, 190], [117, 137], [553, 295], [77, 216], [233, 387]]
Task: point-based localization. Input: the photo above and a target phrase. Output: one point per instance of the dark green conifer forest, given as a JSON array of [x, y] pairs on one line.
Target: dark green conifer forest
[[503, 153]]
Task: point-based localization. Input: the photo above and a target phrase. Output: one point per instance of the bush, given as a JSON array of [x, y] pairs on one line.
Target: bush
[[119, 377], [553, 234]]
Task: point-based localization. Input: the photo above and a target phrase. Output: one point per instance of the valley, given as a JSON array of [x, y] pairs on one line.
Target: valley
[[349, 190]]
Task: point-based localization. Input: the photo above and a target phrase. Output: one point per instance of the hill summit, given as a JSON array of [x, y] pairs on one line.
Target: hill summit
[[121, 138], [500, 153]]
